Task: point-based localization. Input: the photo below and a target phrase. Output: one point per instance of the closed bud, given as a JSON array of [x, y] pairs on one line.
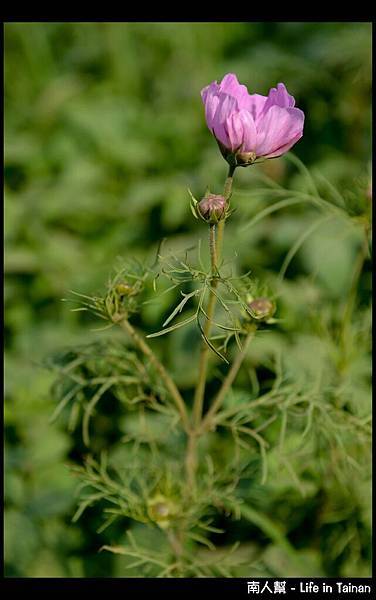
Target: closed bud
[[212, 208], [161, 510], [261, 309], [124, 289]]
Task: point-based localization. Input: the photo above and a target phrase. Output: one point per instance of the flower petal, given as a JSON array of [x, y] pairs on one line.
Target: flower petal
[[279, 96], [218, 107], [207, 91], [241, 131], [255, 105], [286, 147], [278, 130], [226, 106], [211, 106], [231, 86]]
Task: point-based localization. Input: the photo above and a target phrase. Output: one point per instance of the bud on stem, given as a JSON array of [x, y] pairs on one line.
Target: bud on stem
[[261, 309], [212, 208], [161, 510]]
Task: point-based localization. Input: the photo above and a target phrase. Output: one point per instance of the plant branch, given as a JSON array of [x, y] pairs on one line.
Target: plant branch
[[166, 378], [191, 461], [215, 253], [200, 388], [228, 381], [213, 249], [221, 225]]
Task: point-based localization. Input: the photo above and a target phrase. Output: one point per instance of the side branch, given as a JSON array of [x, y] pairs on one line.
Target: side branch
[[166, 378], [218, 400]]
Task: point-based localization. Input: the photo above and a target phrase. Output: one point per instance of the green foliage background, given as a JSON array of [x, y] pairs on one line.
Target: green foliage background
[[104, 132]]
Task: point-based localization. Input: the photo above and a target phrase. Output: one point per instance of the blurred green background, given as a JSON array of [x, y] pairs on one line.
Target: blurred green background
[[104, 133]]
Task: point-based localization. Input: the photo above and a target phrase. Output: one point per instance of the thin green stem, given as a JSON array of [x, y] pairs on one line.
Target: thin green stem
[[228, 183], [228, 381], [213, 250], [191, 462], [215, 245], [200, 388], [221, 225], [215, 253], [175, 543], [166, 378]]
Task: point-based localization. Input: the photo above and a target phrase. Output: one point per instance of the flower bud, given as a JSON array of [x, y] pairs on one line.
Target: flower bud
[[161, 510], [261, 309], [124, 289], [212, 208]]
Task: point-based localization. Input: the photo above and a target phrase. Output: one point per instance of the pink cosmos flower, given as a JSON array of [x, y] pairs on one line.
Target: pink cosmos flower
[[251, 126]]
